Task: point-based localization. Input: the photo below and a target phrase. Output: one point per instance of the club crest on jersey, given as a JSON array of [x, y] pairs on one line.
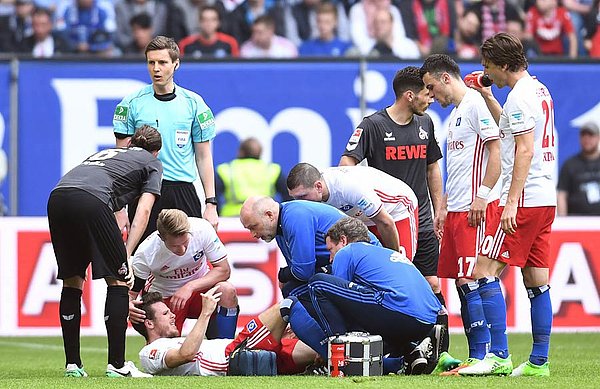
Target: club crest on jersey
[[121, 113], [251, 326], [123, 269], [458, 121], [152, 354], [198, 255], [422, 133], [389, 136], [345, 207], [353, 142]]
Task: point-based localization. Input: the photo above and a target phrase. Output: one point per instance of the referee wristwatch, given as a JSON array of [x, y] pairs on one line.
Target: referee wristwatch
[[211, 200]]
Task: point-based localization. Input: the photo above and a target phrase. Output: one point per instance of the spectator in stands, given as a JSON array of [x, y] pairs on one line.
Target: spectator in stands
[[467, 36], [493, 15], [88, 26], [209, 42], [191, 12], [43, 43], [579, 180], [265, 44], [548, 23], [578, 11], [302, 24], [246, 176], [435, 23], [327, 43], [362, 25], [240, 23], [592, 36], [386, 44], [16, 26], [141, 32], [167, 19], [530, 46]]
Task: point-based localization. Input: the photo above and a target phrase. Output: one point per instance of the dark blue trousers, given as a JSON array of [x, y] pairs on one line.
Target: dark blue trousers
[[343, 306]]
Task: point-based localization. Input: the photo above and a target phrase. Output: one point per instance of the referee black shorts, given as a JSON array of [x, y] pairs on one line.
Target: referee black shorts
[[83, 229], [428, 253], [173, 195]]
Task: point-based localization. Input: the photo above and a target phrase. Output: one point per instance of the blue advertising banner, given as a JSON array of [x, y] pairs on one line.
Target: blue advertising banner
[[4, 137], [299, 111]]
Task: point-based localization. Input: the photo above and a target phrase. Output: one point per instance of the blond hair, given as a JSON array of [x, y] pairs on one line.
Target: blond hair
[[173, 222]]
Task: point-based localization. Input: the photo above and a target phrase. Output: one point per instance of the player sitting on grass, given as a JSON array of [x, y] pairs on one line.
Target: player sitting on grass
[[166, 353]]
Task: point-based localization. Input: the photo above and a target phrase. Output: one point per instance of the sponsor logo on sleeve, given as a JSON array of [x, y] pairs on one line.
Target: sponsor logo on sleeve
[[485, 123], [363, 204], [121, 113], [206, 119], [516, 118], [353, 142]]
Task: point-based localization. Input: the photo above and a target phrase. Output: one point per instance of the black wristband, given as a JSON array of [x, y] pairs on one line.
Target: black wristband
[[285, 275], [211, 200]]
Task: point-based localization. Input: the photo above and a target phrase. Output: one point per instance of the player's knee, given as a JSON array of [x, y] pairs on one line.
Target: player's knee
[[229, 294]]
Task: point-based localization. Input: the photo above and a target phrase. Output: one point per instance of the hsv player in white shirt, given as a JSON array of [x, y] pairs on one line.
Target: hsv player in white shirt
[[174, 261], [527, 206], [473, 168], [168, 354], [384, 203]]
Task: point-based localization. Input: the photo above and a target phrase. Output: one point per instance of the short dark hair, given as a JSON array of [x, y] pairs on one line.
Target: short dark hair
[[265, 19], [43, 11], [406, 79], [142, 20], [303, 174], [148, 138], [148, 299], [354, 230], [505, 49], [437, 64], [161, 43]]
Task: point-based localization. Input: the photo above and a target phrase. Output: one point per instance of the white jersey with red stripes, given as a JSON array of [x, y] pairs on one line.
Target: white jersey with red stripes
[[362, 191], [166, 272], [529, 107], [210, 359], [470, 125]]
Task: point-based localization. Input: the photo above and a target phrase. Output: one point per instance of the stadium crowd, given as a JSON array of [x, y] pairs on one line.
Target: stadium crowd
[[405, 29]]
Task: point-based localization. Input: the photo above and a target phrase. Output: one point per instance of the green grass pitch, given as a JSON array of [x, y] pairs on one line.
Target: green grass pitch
[[37, 362]]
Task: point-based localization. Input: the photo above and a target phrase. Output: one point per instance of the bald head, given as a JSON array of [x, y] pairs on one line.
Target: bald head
[[259, 215]]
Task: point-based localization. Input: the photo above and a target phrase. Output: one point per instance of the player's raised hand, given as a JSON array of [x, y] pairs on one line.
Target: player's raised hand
[[210, 298]]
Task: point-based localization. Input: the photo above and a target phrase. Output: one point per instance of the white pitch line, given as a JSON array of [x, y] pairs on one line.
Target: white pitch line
[[38, 346]]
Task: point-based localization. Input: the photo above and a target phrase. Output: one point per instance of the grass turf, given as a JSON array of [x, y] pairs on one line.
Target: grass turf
[[37, 362]]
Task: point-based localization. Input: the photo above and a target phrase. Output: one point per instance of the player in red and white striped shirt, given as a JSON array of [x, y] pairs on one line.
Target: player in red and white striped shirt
[[473, 168], [384, 203], [527, 206], [168, 354]]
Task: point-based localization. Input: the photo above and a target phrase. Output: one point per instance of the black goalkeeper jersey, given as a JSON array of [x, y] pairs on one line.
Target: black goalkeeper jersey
[[403, 151], [116, 176]]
